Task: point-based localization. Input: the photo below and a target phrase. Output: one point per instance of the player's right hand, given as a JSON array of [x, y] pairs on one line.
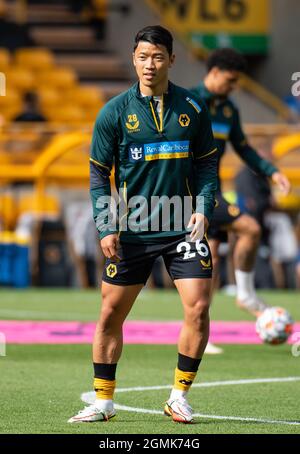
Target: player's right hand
[[282, 182], [199, 224], [109, 245]]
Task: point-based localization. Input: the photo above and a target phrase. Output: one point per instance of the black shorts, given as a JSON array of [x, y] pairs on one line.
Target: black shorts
[[224, 215], [182, 259]]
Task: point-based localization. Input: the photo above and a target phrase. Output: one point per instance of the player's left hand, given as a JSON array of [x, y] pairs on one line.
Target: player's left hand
[[282, 182], [199, 224]]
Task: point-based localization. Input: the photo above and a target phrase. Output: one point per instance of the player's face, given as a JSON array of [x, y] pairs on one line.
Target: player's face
[[225, 81], [152, 63]]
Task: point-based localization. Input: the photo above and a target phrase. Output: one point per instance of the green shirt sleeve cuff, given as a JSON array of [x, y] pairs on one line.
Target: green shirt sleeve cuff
[[106, 233]]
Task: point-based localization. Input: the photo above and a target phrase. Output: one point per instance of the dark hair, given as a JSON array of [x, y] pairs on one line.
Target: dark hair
[[30, 97], [155, 34], [226, 59]]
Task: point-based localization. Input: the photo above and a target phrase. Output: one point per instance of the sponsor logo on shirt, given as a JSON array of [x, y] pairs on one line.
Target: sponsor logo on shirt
[[159, 150], [135, 153]]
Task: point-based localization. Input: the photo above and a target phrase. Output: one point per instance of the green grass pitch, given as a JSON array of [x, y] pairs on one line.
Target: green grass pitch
[[41, 384]]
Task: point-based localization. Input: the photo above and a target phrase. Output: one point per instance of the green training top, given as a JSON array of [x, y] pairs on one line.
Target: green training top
[[227, 126], [170, 153]]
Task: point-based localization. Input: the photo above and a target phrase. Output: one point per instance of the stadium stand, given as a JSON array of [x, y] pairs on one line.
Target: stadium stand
[[60, 67]]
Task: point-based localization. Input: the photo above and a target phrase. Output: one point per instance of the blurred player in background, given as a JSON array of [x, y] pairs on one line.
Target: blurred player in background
[[224, 67]]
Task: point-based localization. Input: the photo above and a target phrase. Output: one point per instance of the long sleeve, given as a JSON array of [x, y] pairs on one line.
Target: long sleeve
[[101, 161], [205, 166], [246, 152]]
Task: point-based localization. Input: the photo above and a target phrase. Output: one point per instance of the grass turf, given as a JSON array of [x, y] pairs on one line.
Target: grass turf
[[41, 387], [83, 305], [41, 384]]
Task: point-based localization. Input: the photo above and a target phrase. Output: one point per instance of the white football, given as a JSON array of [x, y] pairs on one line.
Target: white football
[[274, 325]]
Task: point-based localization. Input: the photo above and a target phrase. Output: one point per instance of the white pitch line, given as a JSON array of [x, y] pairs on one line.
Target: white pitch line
[[214, 384], [200, 415], [138, 410], [89, 398]]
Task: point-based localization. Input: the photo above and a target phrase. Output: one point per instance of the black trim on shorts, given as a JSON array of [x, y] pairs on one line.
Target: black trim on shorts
[[223, 216]]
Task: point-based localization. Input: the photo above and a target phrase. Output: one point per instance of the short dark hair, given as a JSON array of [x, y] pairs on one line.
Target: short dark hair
[[226, 59], [30, 97], [155, 34]]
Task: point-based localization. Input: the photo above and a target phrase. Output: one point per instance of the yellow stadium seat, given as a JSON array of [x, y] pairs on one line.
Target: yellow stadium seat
[[11, 99], [5, 158], [288, 202], [86, 96], [38, 59], [10, 113], [4, 59], [65, 114], [20, 78], [10, 105], [49, 97], [100, 7], [8, 210], [91, 114], [48, 205], [59, 78]]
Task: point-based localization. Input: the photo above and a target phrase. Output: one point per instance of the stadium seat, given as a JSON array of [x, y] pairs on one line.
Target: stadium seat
[[12, 97], [69, 114], [49, 97], [10, 113], [4, 59], [91, 113], [38, 59], [8, 211], [5, 158], [28, 203], [63, 78], [10, 104], [100, 7], [86, 96], [20, 78], [288, 202]]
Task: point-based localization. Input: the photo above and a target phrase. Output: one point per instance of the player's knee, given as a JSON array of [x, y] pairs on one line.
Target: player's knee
[[249, 226], [254, 229], [109, 315], [198, 314], [107, 319]]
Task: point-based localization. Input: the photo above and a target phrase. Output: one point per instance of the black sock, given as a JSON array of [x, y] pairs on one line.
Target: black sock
[[105, 371], [187, 364]]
